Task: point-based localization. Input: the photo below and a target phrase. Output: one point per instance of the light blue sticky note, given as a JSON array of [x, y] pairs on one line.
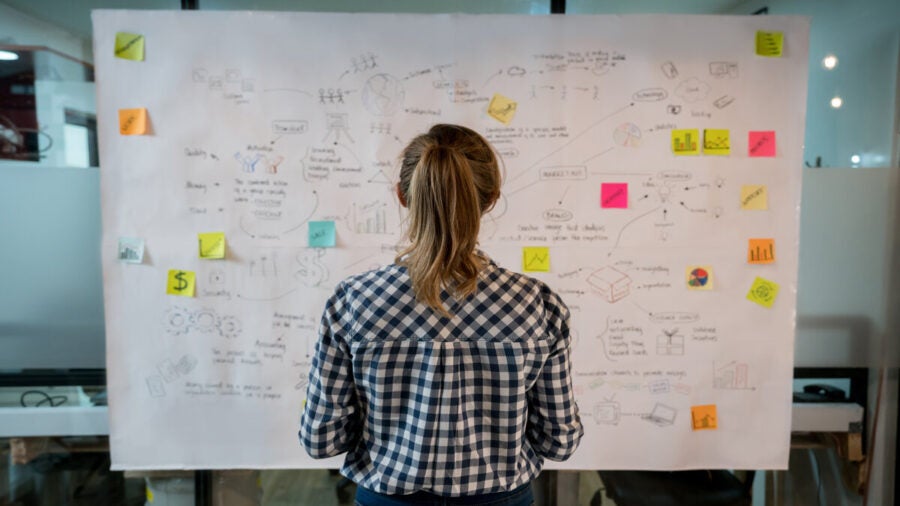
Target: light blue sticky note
[[321, 234]]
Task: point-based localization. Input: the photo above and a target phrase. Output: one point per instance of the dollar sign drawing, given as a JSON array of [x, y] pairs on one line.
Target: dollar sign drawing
[[182, 283]]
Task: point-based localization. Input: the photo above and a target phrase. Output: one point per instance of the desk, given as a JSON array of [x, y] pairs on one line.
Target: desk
[[827, 417]]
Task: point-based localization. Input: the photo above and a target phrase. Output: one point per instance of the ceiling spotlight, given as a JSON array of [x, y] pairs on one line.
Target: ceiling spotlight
[[830, 62], [837, 102], [8, 56]]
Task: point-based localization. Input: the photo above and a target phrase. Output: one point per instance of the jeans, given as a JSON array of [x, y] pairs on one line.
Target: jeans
[[522, 496]]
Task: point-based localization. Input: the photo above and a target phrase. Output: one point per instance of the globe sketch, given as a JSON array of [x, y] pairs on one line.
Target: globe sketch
[[383, 95]]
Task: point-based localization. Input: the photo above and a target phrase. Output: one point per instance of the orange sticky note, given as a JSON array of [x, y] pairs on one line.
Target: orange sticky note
[[704, 417], [761, 251], [133, 121]]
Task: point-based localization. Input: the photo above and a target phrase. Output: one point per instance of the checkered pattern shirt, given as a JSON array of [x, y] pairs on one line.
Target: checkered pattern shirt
[[465, 405]]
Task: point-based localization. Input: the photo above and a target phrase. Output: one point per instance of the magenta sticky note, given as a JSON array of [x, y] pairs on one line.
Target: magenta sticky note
[[761, 144], [614, 195]]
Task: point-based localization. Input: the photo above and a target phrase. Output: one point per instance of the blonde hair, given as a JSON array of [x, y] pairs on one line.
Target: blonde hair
[[449, 177]]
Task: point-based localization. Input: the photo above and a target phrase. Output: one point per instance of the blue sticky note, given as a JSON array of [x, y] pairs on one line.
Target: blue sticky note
[[321, 234]]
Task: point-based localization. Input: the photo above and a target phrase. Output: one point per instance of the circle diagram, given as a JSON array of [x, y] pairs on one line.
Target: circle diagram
[[628, 135]]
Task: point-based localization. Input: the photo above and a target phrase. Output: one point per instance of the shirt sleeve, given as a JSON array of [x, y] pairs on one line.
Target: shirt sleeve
[[331, 421], [554, 427]]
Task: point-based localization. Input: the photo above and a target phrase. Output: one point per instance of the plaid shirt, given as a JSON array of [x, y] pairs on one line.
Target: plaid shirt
[[456, 406]]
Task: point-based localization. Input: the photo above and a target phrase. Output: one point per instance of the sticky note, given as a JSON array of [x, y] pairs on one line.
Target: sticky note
[[699, 277], [133, 121], [754, 197], [212, 245], [704, 417], [686, 142], [761, 144], [536, 259], [180, 283], [321, 234], [502, 108], [716, 142], [614, 195], [131, 250], [761, 251], [769, 44], [763, 292], [129, 46]]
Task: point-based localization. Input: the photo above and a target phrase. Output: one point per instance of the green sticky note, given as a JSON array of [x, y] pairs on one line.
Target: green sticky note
[[763, 292], [130, 46], [212, 244], [322, 234], [536, 259], [181, 283], [769, 44]]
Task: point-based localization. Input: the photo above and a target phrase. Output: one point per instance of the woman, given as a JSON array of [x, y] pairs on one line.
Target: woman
[[444, 377]]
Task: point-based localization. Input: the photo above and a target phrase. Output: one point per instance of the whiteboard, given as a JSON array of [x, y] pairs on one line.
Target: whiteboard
[[260, 123]]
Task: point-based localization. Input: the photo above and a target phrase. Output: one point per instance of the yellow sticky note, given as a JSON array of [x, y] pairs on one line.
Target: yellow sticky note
[[133, 121], [754, 197], [704, 417], [536, 259], [502, 108], [763, 292], [699, 277], [761, 251], [716, 142], [686, 142], [130, 46], [212, 244], [180, 283], [769, 44]]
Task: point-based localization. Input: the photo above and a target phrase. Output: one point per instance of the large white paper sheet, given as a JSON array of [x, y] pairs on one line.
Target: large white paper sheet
[[259, 123]]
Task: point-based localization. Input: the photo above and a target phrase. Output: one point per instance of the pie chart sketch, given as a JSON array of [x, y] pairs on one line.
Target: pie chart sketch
[[383, 95], [698, 278], [628, 135]]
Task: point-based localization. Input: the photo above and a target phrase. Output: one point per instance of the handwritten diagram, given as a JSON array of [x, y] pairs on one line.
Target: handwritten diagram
[[648, 188]]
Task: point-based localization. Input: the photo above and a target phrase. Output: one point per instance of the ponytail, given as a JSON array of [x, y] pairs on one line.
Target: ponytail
[[449, 178]]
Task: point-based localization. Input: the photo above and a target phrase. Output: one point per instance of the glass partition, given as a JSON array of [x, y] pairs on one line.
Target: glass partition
[[48, 121]]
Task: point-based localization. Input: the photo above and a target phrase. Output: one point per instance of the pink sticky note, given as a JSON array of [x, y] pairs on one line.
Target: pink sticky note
[[614, 195], [761, 144]]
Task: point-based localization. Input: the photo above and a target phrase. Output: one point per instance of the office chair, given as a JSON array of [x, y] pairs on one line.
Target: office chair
[[677, 488]]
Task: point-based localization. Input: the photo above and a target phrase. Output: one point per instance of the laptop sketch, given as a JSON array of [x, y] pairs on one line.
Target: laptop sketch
[[661, 415]]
